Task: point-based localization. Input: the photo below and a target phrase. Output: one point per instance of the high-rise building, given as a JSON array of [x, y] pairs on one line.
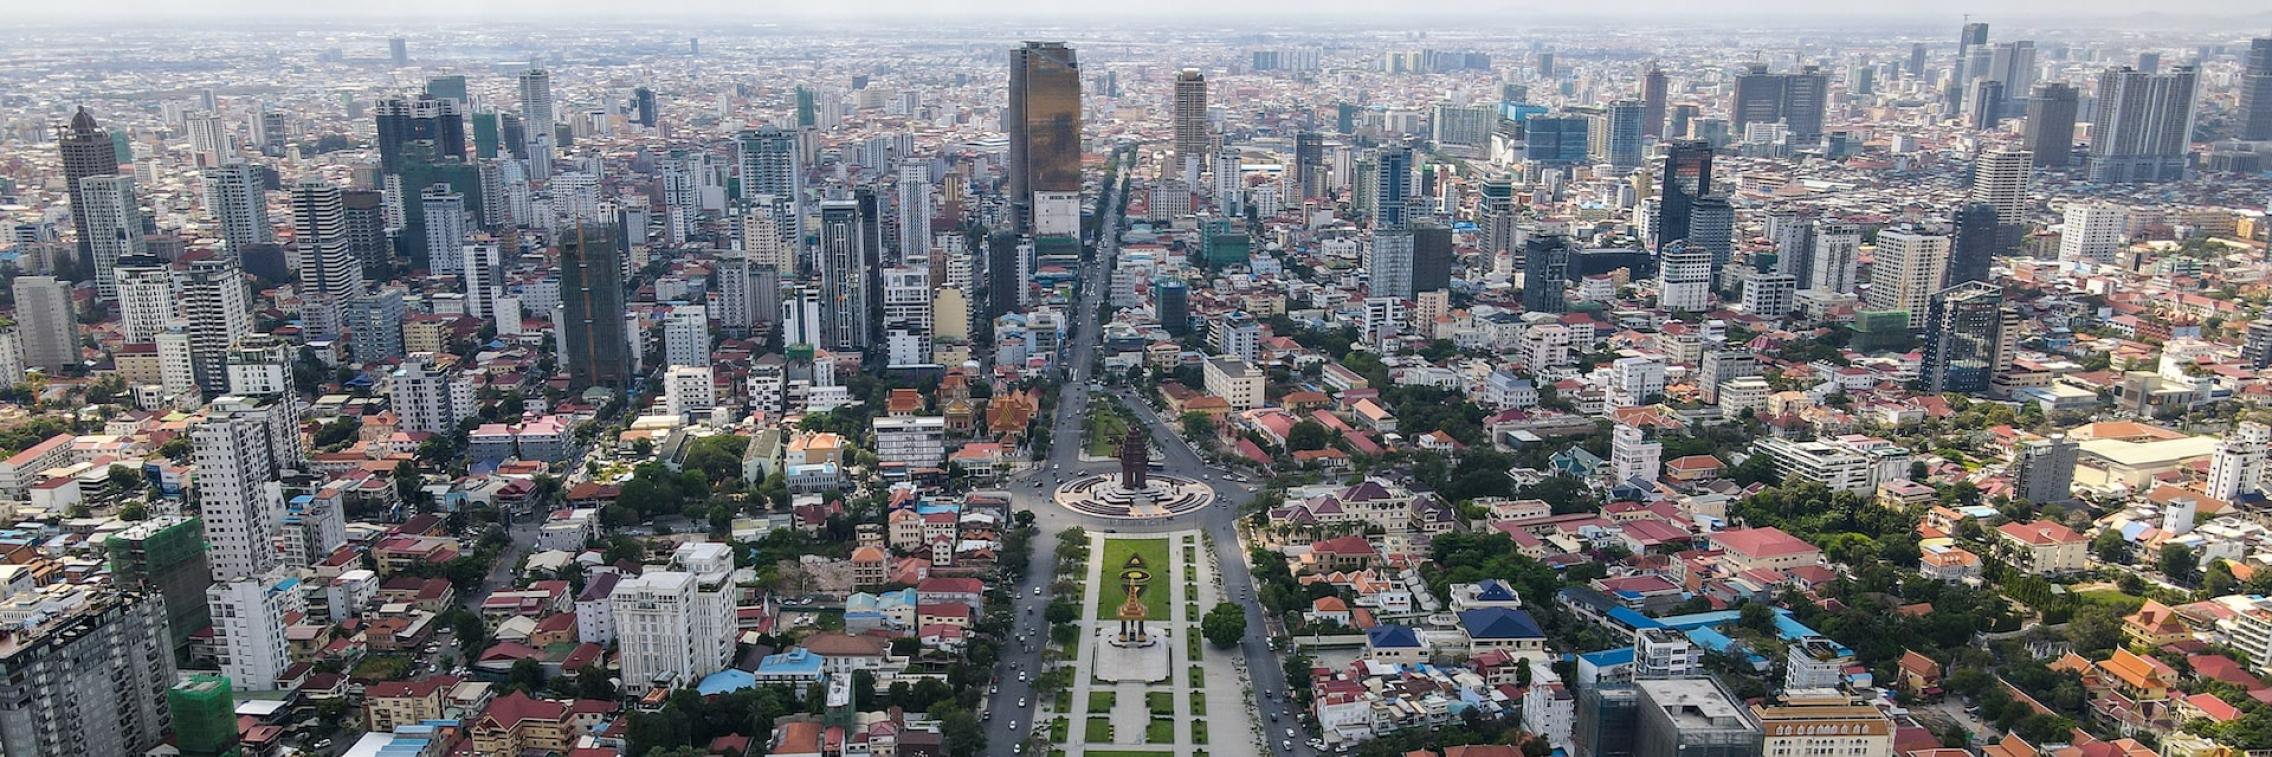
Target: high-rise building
[[1190, 119], [643, 106], [675, 626], [87, 150], [1837, 249], [367, 231], [1044, 123], [1173, 304], [749, 293], [329, 273], [243, 445], [2000, 179], [1555, 140], [591, 326], [1432, 257], [2050, 131], [686, 336], [2142, 125], [2237, 467], [210, 143], [1546, 260], [49, 334], [1388, 262], [1392, 193], [536, 102], [2045, 469], [1974, 245], [429, 398], [850, 239], [1984, 105], [398, 50], [1758, 97], [2256, 347], [248, 627], [1684, 277], [432, 119], [2092, 232], [2012, 65], [1004, 287], [907, 315], [218, 312], [375, 323], [111, 211], [1627, 127], [1653, 90], [1806, 99], [165, 555], [2256, 91], [1712, 227], [1966, 342], [1907, 269], [145, 297], [1687, 178], [914, 211], [86, 672], [445, 224], [483, 279], [204, 715], [236, 198]]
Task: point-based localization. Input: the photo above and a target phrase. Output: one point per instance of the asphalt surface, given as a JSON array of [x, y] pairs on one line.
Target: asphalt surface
[[1012, 705]]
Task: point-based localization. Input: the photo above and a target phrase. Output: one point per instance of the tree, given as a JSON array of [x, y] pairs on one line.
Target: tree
[[592, 683], [1308, 435], [1061, 611], [1755, 469], [2109, 546], [2178, 563], [134, 511], [718, 457], [527, 675], [2094, 628], [1224, 626], [1757, 617], [960, 730]]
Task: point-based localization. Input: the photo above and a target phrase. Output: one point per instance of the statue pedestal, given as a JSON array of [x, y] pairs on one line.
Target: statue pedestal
[[1132, 661]]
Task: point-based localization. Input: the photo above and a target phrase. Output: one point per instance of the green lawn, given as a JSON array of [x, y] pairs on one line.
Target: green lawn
[[1127, 753], [1059, 729], [1160, 703], [1191, 647], [1098, 731], [1101, 701], [1198, 731], [1106, 426], [1114, 555], [1196, 676], [2113, 599], [1198, 702], [1159, 731]]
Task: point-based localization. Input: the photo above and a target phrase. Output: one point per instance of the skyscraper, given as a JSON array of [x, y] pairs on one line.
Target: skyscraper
[[43, 320], [1906, 271], [1627, 127], [1711, 229], [1837, 251], [87, 151], [2092, 232], [2050, 131], [1546, 260], [85, 673], [217, 308], [243, 445], [643, 106], [1966, 342], [1977, 239], [1653, 86], [398, 50], [445, 229], [1684, 277], [536, 102], [329, 273], [1432, 257], [914, 211], [850, 238], [1388, 262], [236, 197], [1758, 97], [1044, 124], [2000, 180], [1984, 105], [145, 297], [436, 120], [591, 327], [1806, 99], [1392, 187], [111, 213], [1687, 177], [2256, 91], [2142, 126], [1190, 119], [2012, 65], [769, 162]]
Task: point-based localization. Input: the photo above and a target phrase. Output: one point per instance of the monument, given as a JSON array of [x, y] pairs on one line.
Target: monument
[[1135, 454], [1134, 579], [1137, 493]]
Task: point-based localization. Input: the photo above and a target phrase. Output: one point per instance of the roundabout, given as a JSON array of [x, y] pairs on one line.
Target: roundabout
[[1136, 493]]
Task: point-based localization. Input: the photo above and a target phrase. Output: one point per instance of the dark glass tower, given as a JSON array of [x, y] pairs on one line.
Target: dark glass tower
[[1546, 260], [592, 337], [87, 151], [1431, 257], [2050, 132], [1975, 244], [1653, 102], [1688, 177], [1963, 338], [1044, 124], [426, 119], [2256, 91]]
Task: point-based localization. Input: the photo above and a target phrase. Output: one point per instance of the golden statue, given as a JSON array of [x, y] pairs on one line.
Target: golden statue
[[1133, 580]]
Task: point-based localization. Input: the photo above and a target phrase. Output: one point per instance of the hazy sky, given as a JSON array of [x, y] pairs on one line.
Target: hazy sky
[[415, 10]]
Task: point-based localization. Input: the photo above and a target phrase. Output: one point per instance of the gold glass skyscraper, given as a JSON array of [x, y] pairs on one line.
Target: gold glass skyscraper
[[1045, 124]]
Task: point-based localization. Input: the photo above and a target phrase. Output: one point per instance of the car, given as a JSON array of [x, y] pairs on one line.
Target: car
[[1021, 676], [1018, 748], [324, 744], [987, 715], [1289, 733], [1037, 591], [1021, 703], [1286, 744], [1273, 717]]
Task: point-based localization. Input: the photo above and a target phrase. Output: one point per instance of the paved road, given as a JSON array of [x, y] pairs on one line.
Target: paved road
[[1013, 702]]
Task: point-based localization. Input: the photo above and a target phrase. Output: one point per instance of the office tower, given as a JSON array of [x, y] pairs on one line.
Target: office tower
[[1984, 105], [1806, 98], [436, 120], [1190, 119], [445, 228], [1684, 277], [1965, 339], [2237, 467], [236, 197], [536, 102], [2012, 64], [2150, 62], [1974, 35], [1653, 86], [1916, 65], [1687, 178], [243, 444], [2256, 91], [1173, 306], [2142, 126], [1977, 239], [1908, 268], [450, 87], [2045, 469], [210, 144], [427, 398], [2092, 232], [1558, 140], [907, 315], [1495, 217], [914, 211], [1309, 165], [849, 240], [367, 231], [1044, 124], [1392, 187], [1388, 262], [329, 273], [204, 716], [248, 626], [85, 672], [1837, 250], [1711, 229], [1626, 130], [483, 281], [398, 49], [2000, 180], [2256, 348], [591, 331], [1546, 260], [1432, 257], [111, 212], [1003, 286], [375, 322], [216, 306], [675, 626], [145, 297], [2050, 132], [643, 106], [87, 151], [1758, 97], [44, 322], [686, 336]]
